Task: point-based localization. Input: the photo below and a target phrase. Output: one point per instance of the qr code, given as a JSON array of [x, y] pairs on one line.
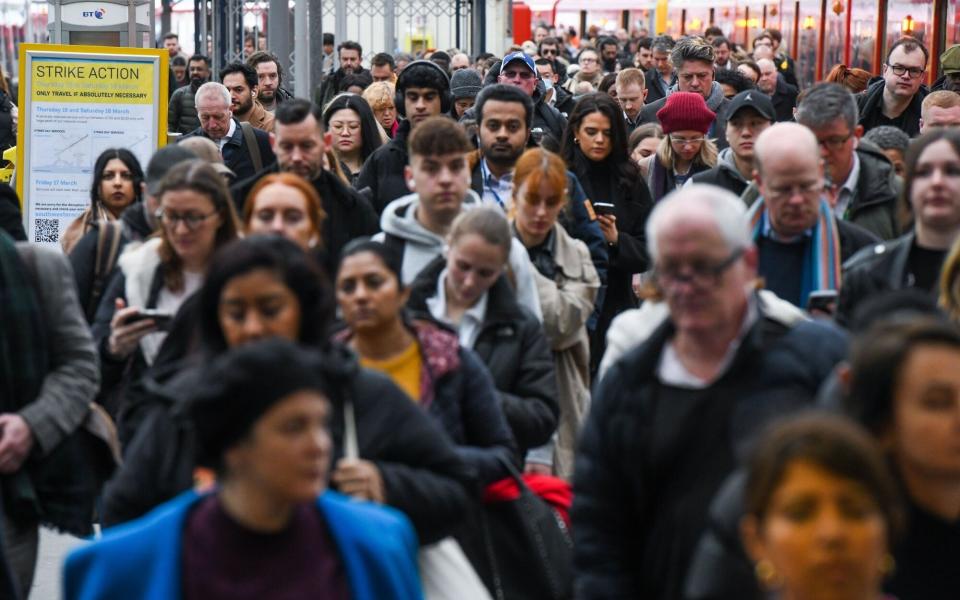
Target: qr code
[[46, 230]]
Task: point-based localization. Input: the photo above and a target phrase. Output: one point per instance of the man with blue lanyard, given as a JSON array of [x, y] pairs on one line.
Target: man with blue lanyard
[[801, 243], [504, 116]]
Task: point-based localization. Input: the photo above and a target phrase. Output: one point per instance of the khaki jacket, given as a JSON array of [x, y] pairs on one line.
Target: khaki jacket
[[260, 118], [567, 303]]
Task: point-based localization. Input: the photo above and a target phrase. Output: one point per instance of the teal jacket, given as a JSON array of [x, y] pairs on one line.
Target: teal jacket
[[141, 559]]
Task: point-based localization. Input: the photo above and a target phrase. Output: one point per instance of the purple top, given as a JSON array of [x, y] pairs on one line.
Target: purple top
[[224, 559]]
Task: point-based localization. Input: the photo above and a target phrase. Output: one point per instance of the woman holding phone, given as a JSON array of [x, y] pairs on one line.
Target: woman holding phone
[[595, 149], [196, 217]]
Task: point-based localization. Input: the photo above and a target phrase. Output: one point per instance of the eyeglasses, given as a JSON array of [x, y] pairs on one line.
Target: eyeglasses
[[549, 52], [899, 70], [804, 189], [700, 273], [525, 75], [834, 143], [587, 61], [686, 142], [191, 220]]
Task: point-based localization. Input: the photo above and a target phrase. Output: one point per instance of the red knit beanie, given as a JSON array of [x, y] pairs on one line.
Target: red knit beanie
[[685, 111]]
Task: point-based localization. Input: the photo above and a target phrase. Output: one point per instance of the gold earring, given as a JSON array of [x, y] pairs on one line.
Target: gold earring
[[766, 573], [887, 565]]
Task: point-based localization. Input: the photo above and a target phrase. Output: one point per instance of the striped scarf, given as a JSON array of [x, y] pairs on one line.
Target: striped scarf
[[821, 262]]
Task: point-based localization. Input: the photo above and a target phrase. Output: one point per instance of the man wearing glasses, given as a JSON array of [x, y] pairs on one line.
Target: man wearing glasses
[[800, 242], [669, 417], [861, 184], [897, 99]]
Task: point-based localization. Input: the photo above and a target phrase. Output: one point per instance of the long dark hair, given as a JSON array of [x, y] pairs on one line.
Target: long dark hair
[[916, 148], [291, 265], [369, 135], [618, 162], [129, 160]]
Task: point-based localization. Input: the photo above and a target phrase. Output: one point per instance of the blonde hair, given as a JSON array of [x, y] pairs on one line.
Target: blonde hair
[[950, 281], [379, 95], [707, 156]]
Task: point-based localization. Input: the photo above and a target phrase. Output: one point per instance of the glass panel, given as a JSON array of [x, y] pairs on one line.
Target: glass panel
[[953, 25], [836, 35], [783, 20], [914, 17], [806, 61], [724, 17], [863, 29]]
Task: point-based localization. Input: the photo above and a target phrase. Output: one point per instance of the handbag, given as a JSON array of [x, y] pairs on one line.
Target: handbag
[[528, 545], [445, 571]]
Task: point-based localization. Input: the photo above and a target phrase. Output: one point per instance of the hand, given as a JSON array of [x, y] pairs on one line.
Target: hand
[[124, 338], [16, 440], [360, 479], [533, 468], [608, 226]]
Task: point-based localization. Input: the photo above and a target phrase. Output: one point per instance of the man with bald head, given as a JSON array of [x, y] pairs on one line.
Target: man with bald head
[[800, 242], [670, 418], [773, 84]]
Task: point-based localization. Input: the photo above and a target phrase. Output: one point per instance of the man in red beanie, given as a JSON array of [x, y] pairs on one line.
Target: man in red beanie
[[693, 60]]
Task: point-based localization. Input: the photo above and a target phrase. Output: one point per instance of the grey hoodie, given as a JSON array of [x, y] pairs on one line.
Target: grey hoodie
[[422, 246]]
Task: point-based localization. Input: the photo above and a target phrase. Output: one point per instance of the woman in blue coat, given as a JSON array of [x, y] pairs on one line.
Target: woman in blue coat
[[270, 528]]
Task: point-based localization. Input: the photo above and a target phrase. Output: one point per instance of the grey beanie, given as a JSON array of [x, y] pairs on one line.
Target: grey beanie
[[465, 83]]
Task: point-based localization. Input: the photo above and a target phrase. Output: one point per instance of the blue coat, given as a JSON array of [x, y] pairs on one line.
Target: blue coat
[[142, 559]]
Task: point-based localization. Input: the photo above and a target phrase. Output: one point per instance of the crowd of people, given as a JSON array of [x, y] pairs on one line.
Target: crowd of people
[[606, 317]]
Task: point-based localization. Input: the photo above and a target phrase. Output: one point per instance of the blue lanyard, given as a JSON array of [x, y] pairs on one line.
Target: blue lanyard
[[486, 183]]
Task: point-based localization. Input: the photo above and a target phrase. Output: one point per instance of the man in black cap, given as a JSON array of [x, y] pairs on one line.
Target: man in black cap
[[519, 70], [748, 114], [464, 86]]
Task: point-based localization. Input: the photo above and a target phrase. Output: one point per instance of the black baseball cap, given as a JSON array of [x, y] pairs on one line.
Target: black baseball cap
[[754, 99]]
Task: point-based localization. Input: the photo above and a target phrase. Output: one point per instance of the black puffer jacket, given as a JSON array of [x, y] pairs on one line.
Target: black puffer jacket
[[382, 173], [421, 473], [872, 271], [642, 488], [512, 345], [874, 203], [182, 110]]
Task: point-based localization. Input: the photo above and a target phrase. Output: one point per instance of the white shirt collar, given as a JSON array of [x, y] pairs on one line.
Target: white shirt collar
[[671, 370], [848, 189], [470, 322]]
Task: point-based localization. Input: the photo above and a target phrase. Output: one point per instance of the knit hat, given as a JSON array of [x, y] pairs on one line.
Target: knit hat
[[242, 385], [465, 83], [685, 111]]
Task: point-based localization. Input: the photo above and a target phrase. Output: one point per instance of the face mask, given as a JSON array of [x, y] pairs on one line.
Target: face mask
[[548, 84]]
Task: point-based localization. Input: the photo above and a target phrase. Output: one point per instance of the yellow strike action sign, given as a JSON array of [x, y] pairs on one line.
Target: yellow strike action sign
[[100, 82]]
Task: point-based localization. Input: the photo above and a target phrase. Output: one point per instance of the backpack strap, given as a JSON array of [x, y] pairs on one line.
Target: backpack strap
[[252, 147], [109, 236]]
